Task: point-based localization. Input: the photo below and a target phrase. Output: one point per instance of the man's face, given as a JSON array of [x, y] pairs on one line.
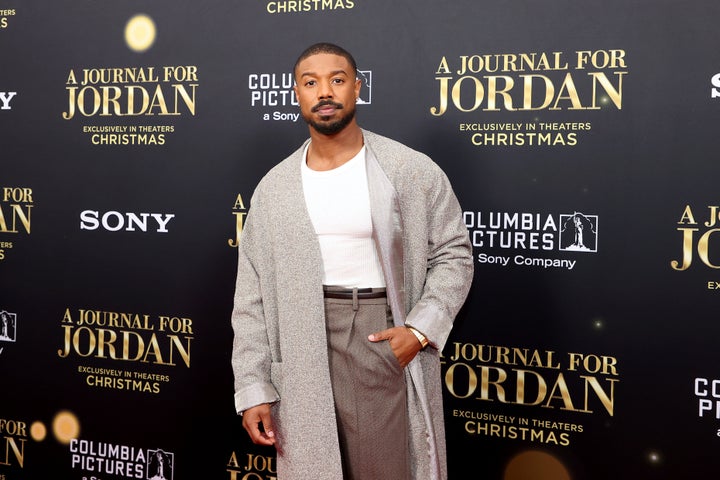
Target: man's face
[[326, 89]]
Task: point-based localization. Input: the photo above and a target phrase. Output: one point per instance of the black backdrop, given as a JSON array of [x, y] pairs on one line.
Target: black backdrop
[[582, 144]]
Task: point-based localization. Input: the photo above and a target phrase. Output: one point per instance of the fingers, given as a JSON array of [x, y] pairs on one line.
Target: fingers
[[378, 336], [257, 422], [403, 343], [387, 334]]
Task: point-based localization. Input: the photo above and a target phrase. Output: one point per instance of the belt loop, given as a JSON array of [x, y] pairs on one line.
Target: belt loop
[[355, 299]]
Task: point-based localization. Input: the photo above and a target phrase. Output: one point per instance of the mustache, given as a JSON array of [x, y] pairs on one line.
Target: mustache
[[323, 103]]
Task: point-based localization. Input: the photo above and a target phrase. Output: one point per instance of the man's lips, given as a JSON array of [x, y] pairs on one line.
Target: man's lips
[[326, 108]]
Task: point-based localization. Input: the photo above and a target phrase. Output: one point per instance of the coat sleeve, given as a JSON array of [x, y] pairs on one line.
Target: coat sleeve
[[251, 356], [449, 262]]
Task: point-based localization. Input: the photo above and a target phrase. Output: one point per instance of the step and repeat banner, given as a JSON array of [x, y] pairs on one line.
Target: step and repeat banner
[[581, 139]]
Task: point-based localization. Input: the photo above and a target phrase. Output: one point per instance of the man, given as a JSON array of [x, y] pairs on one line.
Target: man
[[352, 266]]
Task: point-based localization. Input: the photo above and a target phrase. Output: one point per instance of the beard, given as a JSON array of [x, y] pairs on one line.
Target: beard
[[328, 127]]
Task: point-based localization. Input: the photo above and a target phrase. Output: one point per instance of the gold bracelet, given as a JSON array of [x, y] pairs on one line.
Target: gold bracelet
[[421, 338]]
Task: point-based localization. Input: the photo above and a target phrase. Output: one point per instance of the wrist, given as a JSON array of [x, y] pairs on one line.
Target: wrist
[[420, 337]]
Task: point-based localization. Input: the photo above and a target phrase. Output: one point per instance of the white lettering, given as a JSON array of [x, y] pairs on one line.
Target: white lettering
[[286, 116], [5, 98], [113, 221], [715, 80]]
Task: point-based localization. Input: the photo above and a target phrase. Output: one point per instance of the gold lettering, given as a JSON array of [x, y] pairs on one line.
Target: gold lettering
[[239, 219], [687, 216], [687, 249], [11, 446], [108, 100], [608, 401], [572, 94], [714, 215], [615, 94], [17, 214], [564, 394], [102, 343], [443, 67], [71, 78], [704, 248], [444, 85], [239, 204]]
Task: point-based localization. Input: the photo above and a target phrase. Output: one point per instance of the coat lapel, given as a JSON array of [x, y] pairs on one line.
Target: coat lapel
[[387, 231]]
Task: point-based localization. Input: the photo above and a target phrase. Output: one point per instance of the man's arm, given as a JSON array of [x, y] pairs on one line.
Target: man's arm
[[449, 265], [251, 356]]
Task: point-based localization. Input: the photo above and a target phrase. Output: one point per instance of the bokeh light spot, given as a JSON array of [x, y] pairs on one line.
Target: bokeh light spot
[[66, 427], [38, 431], [140, 33], [535, 465]]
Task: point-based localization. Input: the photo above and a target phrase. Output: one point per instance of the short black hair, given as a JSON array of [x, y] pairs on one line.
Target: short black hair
[[325, 47]]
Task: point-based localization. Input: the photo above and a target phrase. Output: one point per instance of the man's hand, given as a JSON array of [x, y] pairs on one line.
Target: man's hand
[[253, 417], [403, 342]]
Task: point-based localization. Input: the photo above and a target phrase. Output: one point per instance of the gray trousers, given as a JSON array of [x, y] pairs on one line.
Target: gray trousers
[[369, 390]]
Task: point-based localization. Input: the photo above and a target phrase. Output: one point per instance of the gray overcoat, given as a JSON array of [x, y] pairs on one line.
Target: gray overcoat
[[280, 348]]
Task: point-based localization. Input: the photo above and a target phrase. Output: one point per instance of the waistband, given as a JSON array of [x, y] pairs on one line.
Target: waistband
[[352, 293]]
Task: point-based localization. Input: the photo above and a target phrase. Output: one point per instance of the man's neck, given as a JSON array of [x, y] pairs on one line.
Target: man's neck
[[327, 152]]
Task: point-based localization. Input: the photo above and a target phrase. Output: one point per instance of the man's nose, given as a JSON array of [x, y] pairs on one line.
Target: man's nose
[[325, 90]]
